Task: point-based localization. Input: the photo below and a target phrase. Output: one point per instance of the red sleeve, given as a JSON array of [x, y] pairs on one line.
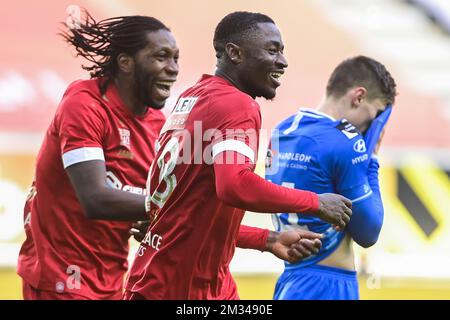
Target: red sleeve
[[238, 186], [80, 125], [252, 238], [80, 122], [238, 121]]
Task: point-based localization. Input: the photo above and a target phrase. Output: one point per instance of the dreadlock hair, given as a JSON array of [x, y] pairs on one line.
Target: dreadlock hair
[[366, 72], [101, 42], [236, 27]]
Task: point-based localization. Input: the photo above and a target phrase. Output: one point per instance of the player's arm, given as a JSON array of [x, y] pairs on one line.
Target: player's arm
[[291, 246], [99, 200], [80, 122], [238, 186], [365, 226], [359, 182], [367, 219]]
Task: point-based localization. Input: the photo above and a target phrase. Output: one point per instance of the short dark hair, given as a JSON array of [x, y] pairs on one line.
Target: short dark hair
[[101, 42], [235, 27], [366, 72]]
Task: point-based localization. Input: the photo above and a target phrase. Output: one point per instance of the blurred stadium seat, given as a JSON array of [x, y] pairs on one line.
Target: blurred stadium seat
[[437, 10]]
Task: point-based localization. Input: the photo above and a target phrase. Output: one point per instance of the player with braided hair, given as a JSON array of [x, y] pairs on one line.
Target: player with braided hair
[[92, 166]]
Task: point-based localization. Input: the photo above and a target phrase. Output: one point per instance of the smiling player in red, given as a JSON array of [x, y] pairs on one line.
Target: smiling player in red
[[92, 166], [200, 187]]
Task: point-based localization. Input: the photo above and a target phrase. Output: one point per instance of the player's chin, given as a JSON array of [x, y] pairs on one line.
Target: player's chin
[[158, 105], [157, 96], [155, 103], [269, 93]]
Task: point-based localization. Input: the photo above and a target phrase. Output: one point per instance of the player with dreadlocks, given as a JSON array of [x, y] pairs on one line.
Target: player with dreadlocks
[[92, 166]]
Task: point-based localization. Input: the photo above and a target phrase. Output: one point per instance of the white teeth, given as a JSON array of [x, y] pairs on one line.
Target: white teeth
[[276, 75], [165, 83]]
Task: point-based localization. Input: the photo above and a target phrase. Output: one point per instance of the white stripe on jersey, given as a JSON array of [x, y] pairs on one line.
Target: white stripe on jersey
[[233, 145], [82, 154], [293, 218], [316, 114], [308, 113], [294, 124], [362, 197]]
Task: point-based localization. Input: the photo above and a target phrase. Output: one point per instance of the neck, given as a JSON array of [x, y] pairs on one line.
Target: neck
[[231, 77], [127, 94], [330, 107]]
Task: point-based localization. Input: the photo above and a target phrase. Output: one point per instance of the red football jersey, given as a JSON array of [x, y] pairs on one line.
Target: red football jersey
[[64, 251], [188, 248]]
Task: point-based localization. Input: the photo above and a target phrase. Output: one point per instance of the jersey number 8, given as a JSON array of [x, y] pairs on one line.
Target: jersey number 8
[[165, 172]]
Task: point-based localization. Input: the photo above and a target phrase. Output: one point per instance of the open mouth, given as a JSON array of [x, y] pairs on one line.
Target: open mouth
[[163, 88], [275, 76]]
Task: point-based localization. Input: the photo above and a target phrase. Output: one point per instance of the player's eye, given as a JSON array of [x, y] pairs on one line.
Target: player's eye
[[161, 55]]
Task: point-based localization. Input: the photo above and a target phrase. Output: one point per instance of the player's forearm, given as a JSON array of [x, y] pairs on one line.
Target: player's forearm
[[111, 204], [98, 200], [367, 220], [238, 186], [253, 238], [372, 175]]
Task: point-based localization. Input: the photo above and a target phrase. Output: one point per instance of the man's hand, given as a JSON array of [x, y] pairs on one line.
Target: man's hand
[[139, 229], [335, 209], [293, 245]]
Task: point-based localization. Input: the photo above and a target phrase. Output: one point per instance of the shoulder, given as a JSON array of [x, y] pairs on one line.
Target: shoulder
[[83, 88], [347, 137], [235, 106], [347, 130], [349, 147], [338, 139], [337, 136], [230, 98], [220, 93], [229, 105], [81, 97], [287, 123], [310, 125]]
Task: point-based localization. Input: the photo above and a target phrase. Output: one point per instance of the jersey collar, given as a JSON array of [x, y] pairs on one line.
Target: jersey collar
[[318, 113]]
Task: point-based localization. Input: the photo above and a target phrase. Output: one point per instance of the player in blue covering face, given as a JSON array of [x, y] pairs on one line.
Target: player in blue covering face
[[333, 149]]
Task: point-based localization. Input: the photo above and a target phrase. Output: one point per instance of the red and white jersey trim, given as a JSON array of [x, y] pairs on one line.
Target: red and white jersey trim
[[234, 145], [82, 154]]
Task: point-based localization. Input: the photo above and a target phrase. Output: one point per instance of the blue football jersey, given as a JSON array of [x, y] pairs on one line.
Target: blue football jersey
[[312, 151]]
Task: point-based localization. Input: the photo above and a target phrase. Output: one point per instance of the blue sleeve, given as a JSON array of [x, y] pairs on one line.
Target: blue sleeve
[[356, 177], [372, 134], [367, 218], [349, 169]]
